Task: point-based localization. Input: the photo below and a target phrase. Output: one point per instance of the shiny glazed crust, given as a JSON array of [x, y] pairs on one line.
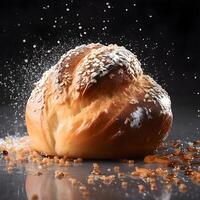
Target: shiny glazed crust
[[97, 103]]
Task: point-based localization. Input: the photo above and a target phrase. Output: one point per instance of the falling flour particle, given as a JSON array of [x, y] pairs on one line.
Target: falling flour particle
[[26, 60], [136, 118]]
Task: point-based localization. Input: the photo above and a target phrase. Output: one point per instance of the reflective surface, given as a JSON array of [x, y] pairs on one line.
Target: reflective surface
[[22, 183]]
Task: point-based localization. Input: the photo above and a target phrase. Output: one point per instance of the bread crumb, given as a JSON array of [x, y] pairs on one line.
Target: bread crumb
[[34, 197], [130, 162], [39, 173], [124, 185], [182, 187], [60, 174], [78, 160], [116, 168], [141, 188], [82, 188]]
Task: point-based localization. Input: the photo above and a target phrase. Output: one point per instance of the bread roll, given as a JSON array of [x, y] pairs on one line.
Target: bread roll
[[96, 103]]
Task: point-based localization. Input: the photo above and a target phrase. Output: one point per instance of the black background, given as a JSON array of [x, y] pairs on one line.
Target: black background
[[165, 35]]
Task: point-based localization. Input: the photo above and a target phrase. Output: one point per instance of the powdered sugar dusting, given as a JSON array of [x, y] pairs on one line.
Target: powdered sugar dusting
[[15, 143], [165, 103], [160, 96], [137, 117], [99, 62], [60, 75]]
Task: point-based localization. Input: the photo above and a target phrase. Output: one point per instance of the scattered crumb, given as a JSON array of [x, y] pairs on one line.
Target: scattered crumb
[[39, 173], [96, 169], [121, 174], [60, 174], [182, 187], [85, 193], [107, 179], [34, 197], [78, 160], [82, 188], [130, 162], [73, 181], [124, 185], [141, 188], [182, 159], [116, 169], [156, 159]]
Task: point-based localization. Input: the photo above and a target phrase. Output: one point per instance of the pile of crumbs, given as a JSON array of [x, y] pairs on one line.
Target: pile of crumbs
[[173, 161]]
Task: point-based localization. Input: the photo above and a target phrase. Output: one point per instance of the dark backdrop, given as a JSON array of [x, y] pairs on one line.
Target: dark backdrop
[[165, 34]]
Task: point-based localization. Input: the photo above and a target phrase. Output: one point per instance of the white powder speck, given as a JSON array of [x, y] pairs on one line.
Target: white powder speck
[[136, 118], [26, 60]]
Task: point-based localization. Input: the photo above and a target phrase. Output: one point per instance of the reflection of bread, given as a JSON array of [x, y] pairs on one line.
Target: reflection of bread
[[97, 103], [48, 188]]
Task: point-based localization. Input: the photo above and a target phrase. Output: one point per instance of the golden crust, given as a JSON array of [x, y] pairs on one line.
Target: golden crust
[[96, 103]]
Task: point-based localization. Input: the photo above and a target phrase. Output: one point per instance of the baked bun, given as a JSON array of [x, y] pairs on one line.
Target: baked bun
[[97, 103]]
